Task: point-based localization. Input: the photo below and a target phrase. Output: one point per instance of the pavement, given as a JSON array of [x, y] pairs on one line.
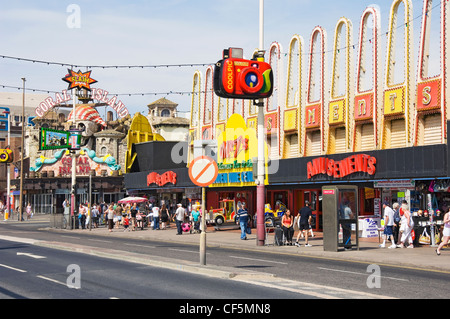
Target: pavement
[[422, 257]]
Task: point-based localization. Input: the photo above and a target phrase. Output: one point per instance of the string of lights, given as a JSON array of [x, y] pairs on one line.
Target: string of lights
[[113, 94], [72, 65], [79, 66]]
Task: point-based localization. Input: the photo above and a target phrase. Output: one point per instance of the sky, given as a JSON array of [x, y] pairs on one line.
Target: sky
[[150, 32]]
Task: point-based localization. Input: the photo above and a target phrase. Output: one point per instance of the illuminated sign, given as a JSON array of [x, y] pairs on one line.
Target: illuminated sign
[[339, 169], [237, 146], [96, 94], [79, 80], [53, 139], [163, 179]]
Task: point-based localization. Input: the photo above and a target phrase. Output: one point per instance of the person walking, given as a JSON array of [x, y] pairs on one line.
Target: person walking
[[164, 216], [156, 216], [95, 214], [242, 216], [406, 226], [179, 218], [396, 226], [110, 214], [388, 226], [287, 223], [303, 223], [133, 213], [445, 233]]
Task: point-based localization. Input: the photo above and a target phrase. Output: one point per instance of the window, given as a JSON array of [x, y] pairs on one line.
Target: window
[[165, 113]]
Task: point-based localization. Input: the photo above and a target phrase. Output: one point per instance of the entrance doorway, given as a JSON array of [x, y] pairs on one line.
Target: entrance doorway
[[314, 197]]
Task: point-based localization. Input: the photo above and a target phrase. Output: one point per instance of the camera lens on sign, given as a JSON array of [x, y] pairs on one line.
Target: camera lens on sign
[[251, 80]]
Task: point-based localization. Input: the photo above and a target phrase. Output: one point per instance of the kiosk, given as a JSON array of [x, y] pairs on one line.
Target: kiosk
[[340, 217]]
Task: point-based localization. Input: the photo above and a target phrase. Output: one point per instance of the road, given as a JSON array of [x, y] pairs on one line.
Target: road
[[302, 276], [29, 271]]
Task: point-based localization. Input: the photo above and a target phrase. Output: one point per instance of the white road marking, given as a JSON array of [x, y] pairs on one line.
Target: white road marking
[[146, 246], [30, 255], [262, 260], [53, 280], [16, 269]]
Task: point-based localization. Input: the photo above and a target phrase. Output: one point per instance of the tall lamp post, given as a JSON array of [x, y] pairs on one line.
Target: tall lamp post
[[260, 190], [23, 153]]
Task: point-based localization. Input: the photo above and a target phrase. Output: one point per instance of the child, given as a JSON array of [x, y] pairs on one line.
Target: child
[[125, 223]]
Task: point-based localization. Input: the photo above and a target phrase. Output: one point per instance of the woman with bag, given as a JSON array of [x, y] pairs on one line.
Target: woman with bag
[[446, 233], [406, 227]]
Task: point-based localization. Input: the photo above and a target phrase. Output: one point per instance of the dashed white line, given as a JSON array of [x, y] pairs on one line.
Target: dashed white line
[[12, 268], [358, 273], [262, 260]]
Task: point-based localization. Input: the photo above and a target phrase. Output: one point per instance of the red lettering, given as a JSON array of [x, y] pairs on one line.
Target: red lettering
[[339, 169], [163, 179], [371, 165]]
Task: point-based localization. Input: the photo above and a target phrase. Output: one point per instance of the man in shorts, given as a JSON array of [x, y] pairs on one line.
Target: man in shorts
[[388, 225], [303, 223]]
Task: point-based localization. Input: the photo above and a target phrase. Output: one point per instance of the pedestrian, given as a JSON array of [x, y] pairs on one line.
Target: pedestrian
[[133, 213], [110, 214], [406, 226], [445, 233], [126, 222], [388, 226], [195, 215], [155, 214], [81, 216], [95, 215], [287, 223], [305, 214], [179, 218], [164, 216], [242, 216], [396, 226], [29, 211], [118, 215]]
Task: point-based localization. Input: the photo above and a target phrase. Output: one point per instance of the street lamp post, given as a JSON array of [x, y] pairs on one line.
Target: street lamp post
[[260, 190]]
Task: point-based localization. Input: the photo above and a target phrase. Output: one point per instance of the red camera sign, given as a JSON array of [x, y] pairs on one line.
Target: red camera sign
[[235, 77]]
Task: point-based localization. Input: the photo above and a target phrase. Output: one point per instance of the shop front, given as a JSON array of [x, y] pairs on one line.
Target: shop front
[[165, 186], [382, 175], [49, 182]]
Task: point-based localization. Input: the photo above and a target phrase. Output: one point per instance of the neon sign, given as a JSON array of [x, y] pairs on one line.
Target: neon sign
[[339, 169]]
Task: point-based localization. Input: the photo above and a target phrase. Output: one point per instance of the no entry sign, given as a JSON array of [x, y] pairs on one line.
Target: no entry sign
[[203, 171]]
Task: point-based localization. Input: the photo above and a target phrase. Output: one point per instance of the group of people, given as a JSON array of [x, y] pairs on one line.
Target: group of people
[[398, 225], [302, 221], [288, 222], [134, 216]]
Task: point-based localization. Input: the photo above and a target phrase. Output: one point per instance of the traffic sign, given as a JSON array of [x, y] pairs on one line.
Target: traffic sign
[[203, 171]]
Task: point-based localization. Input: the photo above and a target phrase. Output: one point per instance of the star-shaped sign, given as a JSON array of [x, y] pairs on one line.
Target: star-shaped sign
[[79, 79]]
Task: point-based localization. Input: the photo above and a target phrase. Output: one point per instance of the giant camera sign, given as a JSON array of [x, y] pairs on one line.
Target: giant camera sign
[[235, 77]]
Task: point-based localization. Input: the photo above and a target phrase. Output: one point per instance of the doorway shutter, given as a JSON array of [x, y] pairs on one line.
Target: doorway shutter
[[432, 129], [367, 138], [340, 140], [398, 134]]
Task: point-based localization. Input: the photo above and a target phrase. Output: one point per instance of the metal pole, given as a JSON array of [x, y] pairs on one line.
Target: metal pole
[[260, 191], [8, 173], [90, 200], [74, 177], [203, 233], [23, 152]]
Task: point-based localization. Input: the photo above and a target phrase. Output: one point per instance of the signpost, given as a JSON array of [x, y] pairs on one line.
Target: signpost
[[203, 172]]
